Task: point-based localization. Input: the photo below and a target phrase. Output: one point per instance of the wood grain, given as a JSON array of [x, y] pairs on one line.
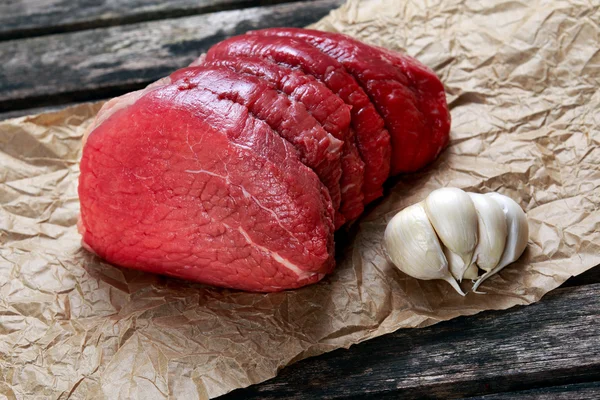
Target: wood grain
[[23, 18], [106, 62], [553, 342], [582, 391]]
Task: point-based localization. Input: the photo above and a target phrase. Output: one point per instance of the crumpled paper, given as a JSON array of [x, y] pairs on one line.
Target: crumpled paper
[[522, 82]]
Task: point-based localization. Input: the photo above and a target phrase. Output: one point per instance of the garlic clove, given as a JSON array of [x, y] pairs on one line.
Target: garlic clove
[[517, 238], [472, 272], [456, 265], [491, 231], [412, 245], [454, 218]]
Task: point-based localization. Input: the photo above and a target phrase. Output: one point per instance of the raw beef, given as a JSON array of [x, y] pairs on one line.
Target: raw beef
[[433, 103], [407, 94], [317, 149], [236, 172], [371, 137], [327, 108], [177, 181]]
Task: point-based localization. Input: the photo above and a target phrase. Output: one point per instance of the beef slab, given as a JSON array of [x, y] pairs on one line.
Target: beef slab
[[179, 182]]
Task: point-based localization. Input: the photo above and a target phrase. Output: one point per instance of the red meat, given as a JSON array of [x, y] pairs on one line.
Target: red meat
[[371, 136], [317, 149], [180, 182], [327, 108], [432, 102], [407, 94], [231, 173]]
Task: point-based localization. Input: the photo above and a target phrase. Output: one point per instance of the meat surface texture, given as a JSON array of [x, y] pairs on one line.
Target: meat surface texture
[[372, 140], [197, 188], [407, 94], [317, 149], [237, 170], [327, 108]]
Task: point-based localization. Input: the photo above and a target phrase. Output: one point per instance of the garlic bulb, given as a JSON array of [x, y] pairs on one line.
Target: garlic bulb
[[451, 234], [518, 234], [491, 232], [412, 246], [454, 218]]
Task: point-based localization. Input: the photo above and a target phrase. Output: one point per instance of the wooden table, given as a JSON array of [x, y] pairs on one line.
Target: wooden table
[[59, 52]]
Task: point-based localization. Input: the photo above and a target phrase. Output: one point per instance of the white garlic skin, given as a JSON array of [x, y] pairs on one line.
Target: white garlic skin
[[412, 245], [518, 229], [492, 231], [454, 218], [456, 265], [472, 272], [517, 237]]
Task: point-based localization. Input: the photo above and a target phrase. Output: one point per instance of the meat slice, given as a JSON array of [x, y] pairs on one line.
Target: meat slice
[[371, 136], [317, 149], [327, 108], [180, 182], [430, 91], [407, 94]]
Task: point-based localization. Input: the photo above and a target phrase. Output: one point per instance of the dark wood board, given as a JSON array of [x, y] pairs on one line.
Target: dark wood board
[[105, 62], [553, 342], [581, 391], [25, 18]]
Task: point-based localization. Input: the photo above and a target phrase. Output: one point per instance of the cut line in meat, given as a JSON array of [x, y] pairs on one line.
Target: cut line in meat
[[327, 108], [432, 102], [371, 137], [408, 95], [317, 149]]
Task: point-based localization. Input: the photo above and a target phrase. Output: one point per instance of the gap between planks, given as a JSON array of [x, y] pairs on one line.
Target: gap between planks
[[553, 342], [579, 391], [100, 63], [28, 18]]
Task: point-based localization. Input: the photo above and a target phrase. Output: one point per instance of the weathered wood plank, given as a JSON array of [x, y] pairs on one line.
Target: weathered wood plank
[[581, 391], [106, 62], [553, 342], [23, 18]]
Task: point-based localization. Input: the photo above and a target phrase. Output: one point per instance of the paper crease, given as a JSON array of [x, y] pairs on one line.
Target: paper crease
[[523, 86]]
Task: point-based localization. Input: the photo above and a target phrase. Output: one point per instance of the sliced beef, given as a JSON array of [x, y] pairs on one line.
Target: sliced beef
[[180, 182], [371, 136], [407, 94], [327, 108], [317, 149], [432, 101], [237, 172]]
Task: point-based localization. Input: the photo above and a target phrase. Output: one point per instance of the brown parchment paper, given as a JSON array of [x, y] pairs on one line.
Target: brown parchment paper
[[522, 80]]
